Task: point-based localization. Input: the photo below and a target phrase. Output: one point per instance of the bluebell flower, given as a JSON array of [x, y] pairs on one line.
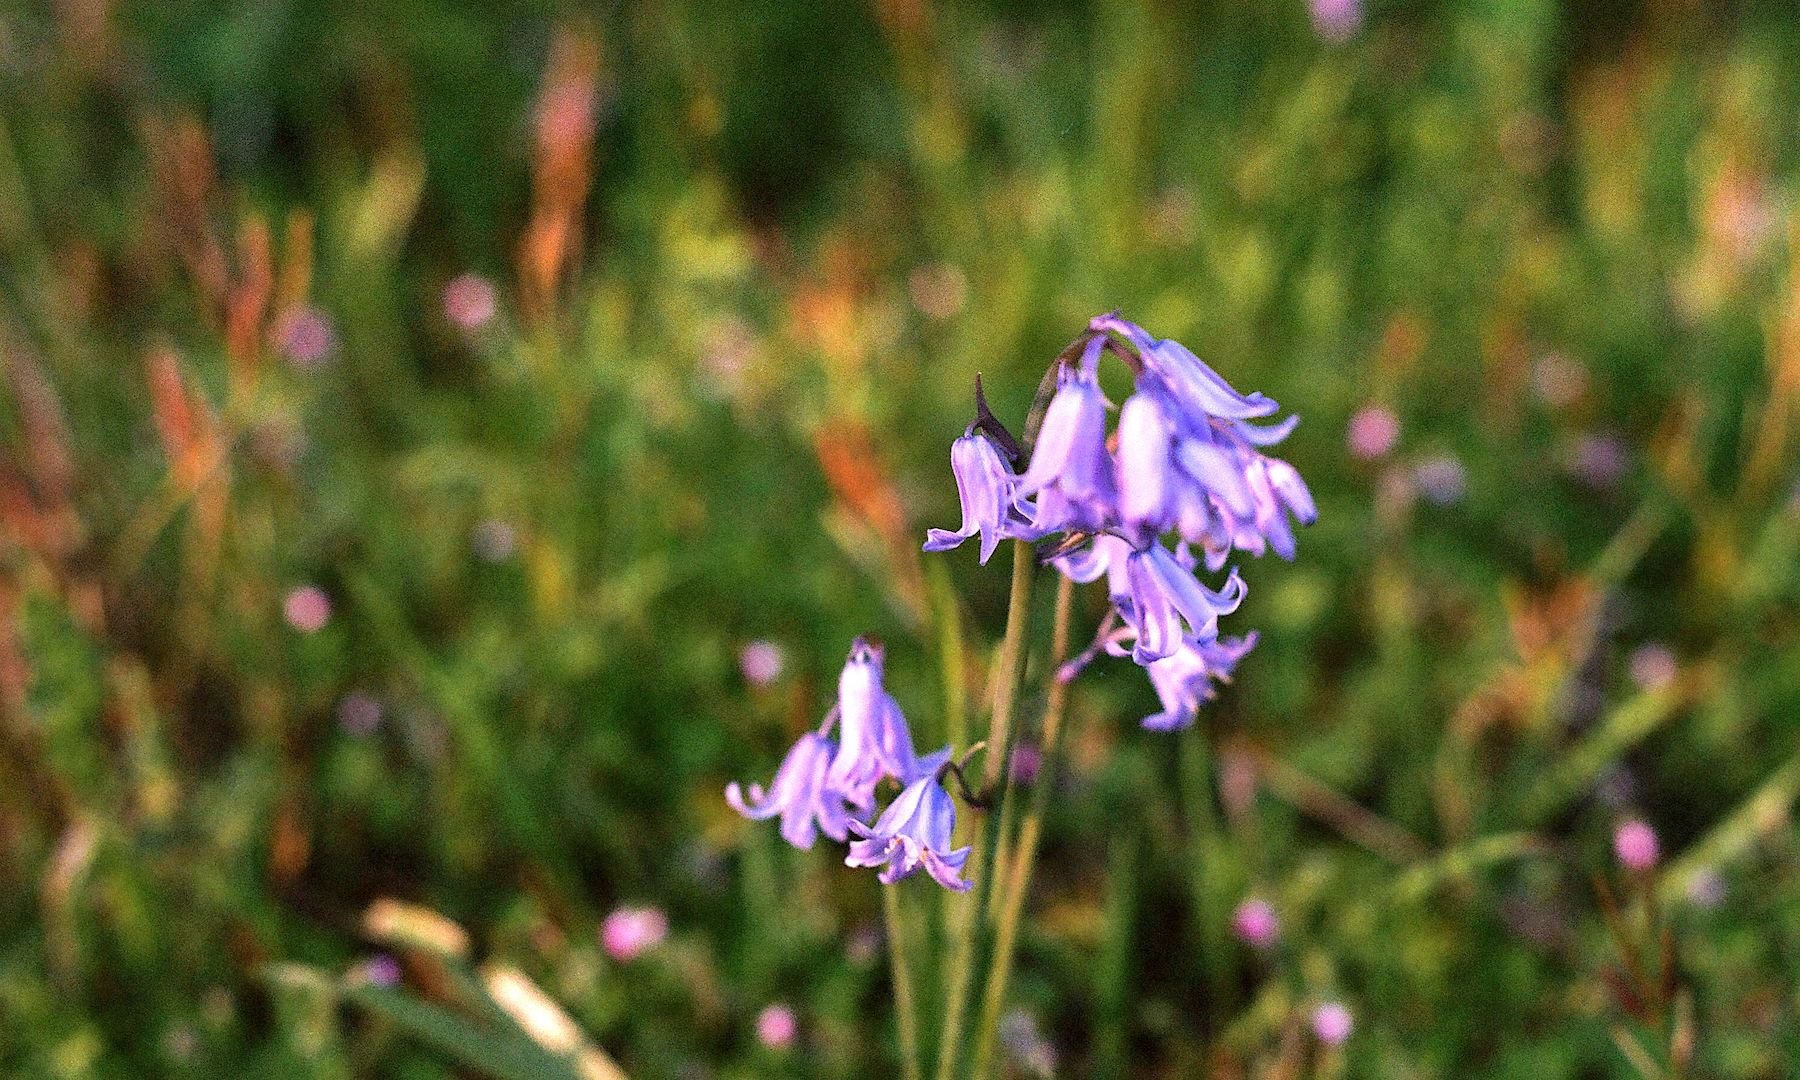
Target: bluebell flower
[[913, 831], [1187, 457], [873, 739], [1147, 479], [986, 486], [1229, 495], [1197, 388], [1184, 680], [1105, 555], [1070, 472], [1276, 493], [800, 794], [1168, 606]]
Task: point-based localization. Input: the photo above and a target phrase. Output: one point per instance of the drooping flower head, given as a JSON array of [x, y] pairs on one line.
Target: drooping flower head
[[913, 832], [1187, 679], [1168, 607], [986, 486], [826, 786], [873, 739], [800, 795], [1190, 460], [1186, 458], [1070, 472]]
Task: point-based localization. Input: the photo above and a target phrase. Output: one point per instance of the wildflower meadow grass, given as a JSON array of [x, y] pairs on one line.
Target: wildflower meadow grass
[[899, 539]]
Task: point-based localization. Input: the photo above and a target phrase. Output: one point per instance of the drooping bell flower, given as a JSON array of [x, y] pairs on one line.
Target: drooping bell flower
[[1197, 388], [1185, 679], [1070, 472], [985, 484], [1104, 555], [913, 832], [1168, 606], [800, 794], [1146, 476], [873, 739], [1229, 496]]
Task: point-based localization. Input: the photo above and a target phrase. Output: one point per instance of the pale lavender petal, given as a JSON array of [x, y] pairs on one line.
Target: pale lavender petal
[[1219, 473], [1071, 445], [1144, 462], [1265, 436]]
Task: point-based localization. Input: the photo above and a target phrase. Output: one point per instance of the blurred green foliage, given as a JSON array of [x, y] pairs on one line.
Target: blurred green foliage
[[1555, 243]]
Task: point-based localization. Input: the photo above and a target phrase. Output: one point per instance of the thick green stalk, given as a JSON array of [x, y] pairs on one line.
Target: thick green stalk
[[905, 1006], [1014, 876], [1008, 674]]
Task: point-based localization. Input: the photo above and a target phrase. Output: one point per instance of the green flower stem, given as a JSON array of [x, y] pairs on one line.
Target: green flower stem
[[1008, 673], [905, 1007], [1014, 877]]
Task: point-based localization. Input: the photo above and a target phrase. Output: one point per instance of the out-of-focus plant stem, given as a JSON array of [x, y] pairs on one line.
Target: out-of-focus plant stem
[[950, 653], [1209, 902], [906, 1015], [1014, 876], [1008, 674]]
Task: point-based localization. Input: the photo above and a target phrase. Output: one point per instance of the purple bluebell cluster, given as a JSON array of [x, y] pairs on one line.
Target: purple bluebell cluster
[[827, 786], [1179, 484]]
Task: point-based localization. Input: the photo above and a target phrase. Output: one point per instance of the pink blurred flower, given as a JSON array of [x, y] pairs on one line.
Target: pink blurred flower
[[761, 662], [359, 714], [776, 1027], [307, 609], [1635, 845], [1600, 461], [469, 302], [1027, 762], [1332, 1023], [1336, 20], [1373, 432], [630, 931], [382, 970], [305, 336], [1255, 923], [1653, 666]]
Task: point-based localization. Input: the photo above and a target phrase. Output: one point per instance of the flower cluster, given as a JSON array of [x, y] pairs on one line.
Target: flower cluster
[[829, 786], [1180, 483]]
